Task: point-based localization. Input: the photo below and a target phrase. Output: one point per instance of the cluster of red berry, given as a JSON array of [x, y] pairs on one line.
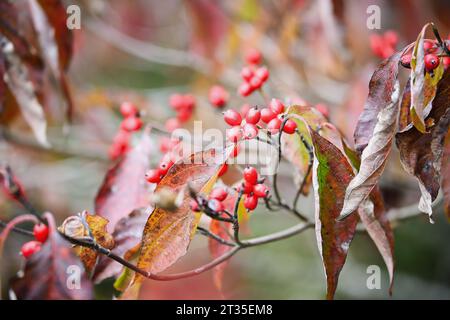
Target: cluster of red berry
[[431, 58], [131, 123], [214, 201], [254, 119], [40, 232], [167, 147], [253, 75], [218, 96], [184, 107], [252, 188], [384, 45]]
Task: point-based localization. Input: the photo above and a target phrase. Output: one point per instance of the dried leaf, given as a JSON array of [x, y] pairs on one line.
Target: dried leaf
[[445, 173], [381, 88], [373, 158], [18, 81], [53, 273], [167, 235], [127, 236], [124, 188], [331, 175]]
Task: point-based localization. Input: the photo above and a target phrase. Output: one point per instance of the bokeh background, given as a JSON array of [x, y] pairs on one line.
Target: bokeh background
[[317, 51]]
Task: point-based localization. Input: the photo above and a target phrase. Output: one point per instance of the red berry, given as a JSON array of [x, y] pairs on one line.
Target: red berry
[[391, 38], [253, 56], [250, 131], [153, 176], [128, 109], [262, 73], [250, 202], [216, 205], [290, 126], [246, 73], [194, 206], [246, 188], [131, 124], [261, 190], [176, 101], [188, 101], [234, 134], [244, 109], [446, 62], [232, 117], [276, 106], [377, 44], [236, 150], [428, 46], [165, 164], [122, 138], [218, 96], [431, 62], [219, 194], [267, 115], [29, 248], [253, 116], [40, 232], [184, 115], [323, 109], [274, 125], [251, 175], [245, 89], [256, 83], [223, 170], [116, 150], [172, 124]]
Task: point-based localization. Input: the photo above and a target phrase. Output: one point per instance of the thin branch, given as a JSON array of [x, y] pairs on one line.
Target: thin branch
[[211, 235], [17, 230], [236, 217]]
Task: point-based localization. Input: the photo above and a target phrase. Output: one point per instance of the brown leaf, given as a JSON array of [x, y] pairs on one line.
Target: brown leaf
[[376, 138], [381, 88], [373, 216], [445, 173], [416, 152], [167, 235], [124, 188], [127, 236], [47, 274], [17, 77], [331, 175]]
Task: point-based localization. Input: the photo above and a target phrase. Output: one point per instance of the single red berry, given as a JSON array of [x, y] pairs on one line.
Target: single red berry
[[234, 134], [29, 248], [253, 116], [290, 126], [128, 109], [131, 124], [40, 232], [165, 164], [428, 46], [183, 115], [323, 109], [276, 106], [377, 44], [245, 89], [261, 190], [250, 202], [172, 124], [232, 117], [274, 125], [236, 150], [250, 131], [223, 170], [244, 109], [267, 114], [431, 62], [188, 101], [446, 62], [216, 205], [391, 38], [251, 175], [218, 96], [246, 187], [253, 56], [218, 193], [176, 101], [246, 73], [153, 176], [194, 205], [256, 83], [262, 73]]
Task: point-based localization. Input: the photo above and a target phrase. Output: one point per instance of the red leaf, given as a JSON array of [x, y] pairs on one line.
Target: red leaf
[[331, 175], [124, 188]]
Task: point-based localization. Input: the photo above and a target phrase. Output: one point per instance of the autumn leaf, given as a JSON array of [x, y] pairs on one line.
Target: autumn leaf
[[127, 237], [18, 81], [382, 86], [331, 175], [374, 133], [124, 188], [416, 153], [167, 235], [47, 272], [445, 173]]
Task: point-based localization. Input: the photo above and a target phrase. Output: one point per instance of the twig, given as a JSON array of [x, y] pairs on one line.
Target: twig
[[17, 230], [236, 218], [211, 235]]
